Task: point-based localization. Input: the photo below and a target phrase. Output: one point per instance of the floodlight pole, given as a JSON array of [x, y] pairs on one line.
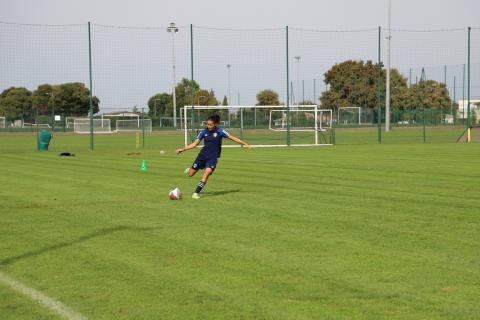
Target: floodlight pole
[[303, 91], [387, 89], [298, 77], [173, 29]]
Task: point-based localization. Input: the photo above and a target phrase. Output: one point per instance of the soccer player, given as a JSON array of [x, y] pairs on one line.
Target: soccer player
[[207, 158]]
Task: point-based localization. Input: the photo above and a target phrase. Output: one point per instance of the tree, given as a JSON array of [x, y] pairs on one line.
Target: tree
[[267, 98], [355, 83], [15, 102], [42, 98], [70, 99], [225, 101], [163, 103], [73, 99], [205, 98], [183, 95], [430, 94], [183, 92]]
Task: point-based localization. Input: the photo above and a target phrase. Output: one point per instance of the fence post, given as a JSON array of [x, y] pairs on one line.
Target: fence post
[[422, 79], [192, 89], [379, 93], [288, 91], [143, 128], [36, 129], [91, 88], [469, 122]]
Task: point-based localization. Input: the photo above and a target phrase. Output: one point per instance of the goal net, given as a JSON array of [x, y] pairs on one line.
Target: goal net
[[313, 119], [264, 126], [34, 125], [99, 125], [133, 125], [349, 116]]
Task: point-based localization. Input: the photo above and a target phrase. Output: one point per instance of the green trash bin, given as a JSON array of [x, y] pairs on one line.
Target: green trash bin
[[44, 140]]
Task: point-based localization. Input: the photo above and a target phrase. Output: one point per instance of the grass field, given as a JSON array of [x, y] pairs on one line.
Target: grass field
[[352, 231]]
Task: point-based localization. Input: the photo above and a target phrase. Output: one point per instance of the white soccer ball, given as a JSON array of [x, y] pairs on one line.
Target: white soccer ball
[[162, 152], [175, 194]]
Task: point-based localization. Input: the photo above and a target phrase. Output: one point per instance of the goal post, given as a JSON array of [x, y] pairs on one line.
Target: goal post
[[133, 125], [82, 126], [301, 119], [349, 116], [264, 126]]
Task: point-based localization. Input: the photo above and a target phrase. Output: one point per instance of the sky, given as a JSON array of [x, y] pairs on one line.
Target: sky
[[132, 64], [316, 14]]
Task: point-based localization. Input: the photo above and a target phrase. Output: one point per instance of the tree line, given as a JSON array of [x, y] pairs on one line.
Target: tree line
[[70, 99], [350, 83]]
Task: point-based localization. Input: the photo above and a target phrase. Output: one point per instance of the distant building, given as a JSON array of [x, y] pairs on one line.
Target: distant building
[[462, 112]]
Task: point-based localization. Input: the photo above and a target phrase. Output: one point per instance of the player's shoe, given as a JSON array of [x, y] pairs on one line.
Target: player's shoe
[[195, 196]]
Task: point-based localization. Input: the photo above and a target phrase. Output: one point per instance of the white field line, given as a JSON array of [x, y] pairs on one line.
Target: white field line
[[46, 301]]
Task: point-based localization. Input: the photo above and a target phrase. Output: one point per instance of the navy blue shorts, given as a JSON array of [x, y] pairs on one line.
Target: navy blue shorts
[[203, 162]]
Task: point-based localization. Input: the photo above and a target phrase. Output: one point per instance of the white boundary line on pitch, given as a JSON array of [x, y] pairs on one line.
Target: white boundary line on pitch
[[44, 300]]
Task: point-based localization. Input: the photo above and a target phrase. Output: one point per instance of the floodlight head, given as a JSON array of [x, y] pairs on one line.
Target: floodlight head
[[172, 27]]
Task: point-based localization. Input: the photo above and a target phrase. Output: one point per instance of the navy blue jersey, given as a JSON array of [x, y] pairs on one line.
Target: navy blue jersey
[[213, 142]]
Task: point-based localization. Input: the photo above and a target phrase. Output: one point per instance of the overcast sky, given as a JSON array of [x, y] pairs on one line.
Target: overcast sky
[[318, 14], [130, 65]]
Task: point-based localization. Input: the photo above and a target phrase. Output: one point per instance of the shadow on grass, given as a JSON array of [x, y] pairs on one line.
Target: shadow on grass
[[99, 233], [219, 193]]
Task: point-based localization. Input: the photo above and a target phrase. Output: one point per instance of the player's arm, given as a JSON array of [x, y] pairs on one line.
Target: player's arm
[[239, 141], [189, 147]]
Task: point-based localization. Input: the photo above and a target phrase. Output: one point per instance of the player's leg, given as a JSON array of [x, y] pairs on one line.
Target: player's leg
[[199, 163], [209, 168], [207, 173], [191, 172]]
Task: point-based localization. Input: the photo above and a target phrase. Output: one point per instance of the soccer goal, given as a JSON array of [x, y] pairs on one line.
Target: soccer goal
[[349, 116], [35, 125], [82, 125], [300, 119], [69, 121], [134, 125], [265, 126], [2, 122]]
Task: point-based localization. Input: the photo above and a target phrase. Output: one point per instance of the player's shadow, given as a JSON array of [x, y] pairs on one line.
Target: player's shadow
[[219, 193]]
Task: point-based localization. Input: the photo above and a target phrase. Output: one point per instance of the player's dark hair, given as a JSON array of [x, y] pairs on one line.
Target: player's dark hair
[[215, 118]]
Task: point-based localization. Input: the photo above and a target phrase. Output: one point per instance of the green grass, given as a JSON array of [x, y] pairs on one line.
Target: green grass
[[353, 231]]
